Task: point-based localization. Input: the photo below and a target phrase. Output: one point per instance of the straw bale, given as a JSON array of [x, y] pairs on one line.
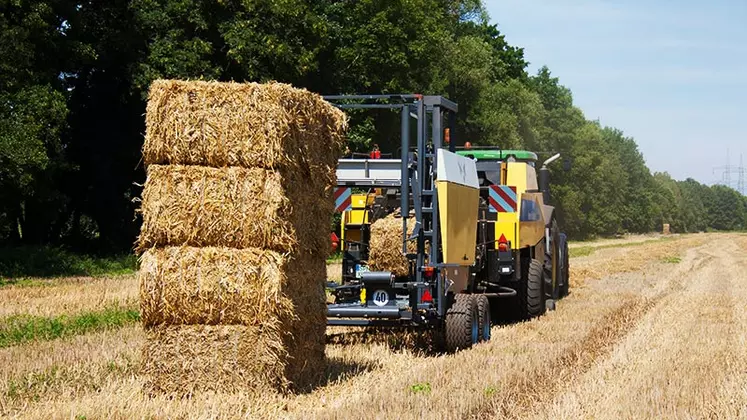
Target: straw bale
[[385, 245], [185, 359], [305, 335], [233, 207], [280, 344], [215, 285], [241, 124]]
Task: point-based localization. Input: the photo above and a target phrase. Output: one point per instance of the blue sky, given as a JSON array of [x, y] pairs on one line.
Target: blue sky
[[671, 74]]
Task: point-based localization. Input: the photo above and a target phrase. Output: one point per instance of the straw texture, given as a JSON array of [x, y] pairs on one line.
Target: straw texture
[[236, 217], [385, 245], [241, 124], [254, 318], [211, 285], [234, 207], [184, 359]]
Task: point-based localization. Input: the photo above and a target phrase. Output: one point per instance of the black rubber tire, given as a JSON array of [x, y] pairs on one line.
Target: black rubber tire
[[462, 328], [552, 263], [530, 293], [484, 318], [565, 269]]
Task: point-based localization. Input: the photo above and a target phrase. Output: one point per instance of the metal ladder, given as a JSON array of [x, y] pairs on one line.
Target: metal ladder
[[418, 170]]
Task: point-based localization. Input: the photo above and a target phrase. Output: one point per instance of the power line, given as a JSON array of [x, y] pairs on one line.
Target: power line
[[728, 170]]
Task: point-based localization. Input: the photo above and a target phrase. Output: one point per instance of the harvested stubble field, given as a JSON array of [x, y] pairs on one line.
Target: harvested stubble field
[[67, 296], [656, 330]]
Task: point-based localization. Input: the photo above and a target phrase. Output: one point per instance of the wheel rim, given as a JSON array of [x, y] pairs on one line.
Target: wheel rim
[[486, 327]]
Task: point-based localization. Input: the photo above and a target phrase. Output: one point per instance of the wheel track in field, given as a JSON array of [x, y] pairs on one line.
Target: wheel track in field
[[569, 356], [681, 361], [543, 384]]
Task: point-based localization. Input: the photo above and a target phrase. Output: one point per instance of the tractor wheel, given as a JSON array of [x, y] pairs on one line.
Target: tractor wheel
[[462, 323], [564, 268], [483, 315], [530, 291], [552, 265]]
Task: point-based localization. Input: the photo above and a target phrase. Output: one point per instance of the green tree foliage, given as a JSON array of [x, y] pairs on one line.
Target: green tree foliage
[[74, 80], [33, 118]]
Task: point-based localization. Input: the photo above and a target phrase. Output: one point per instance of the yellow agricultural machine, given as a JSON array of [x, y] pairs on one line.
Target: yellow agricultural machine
[[484, 233]]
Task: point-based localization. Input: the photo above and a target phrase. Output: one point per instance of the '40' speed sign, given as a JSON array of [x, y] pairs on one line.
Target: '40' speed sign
[[380, 297]]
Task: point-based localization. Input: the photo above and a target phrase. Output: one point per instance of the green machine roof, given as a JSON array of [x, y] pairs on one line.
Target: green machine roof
[[496, 154]]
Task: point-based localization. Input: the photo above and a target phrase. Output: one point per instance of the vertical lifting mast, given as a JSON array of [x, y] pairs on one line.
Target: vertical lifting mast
[[416, 178]]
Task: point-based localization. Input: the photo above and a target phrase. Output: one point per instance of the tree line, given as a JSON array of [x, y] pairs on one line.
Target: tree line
[[74, 77]]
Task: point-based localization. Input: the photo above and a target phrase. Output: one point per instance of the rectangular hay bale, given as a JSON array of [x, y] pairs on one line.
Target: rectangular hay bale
[[236, 217], [215, 285], [183, 360], [234, 207], [280, 346], [385, 245], [241, 124]]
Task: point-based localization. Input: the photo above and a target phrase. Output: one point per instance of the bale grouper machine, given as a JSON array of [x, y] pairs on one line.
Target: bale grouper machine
[[482, 227]]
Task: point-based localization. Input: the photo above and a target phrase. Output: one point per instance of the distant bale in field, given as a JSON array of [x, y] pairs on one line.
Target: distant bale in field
[[234, 207], [251, 125], [385, 245]]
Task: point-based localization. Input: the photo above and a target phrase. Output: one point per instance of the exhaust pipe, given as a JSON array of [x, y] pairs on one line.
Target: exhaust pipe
[[544, 178]]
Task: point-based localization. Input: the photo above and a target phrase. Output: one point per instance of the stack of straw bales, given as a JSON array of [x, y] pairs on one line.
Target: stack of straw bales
[[236, 211]]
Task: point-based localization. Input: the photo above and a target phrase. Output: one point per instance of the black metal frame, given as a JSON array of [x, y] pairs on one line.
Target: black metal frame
[[418, 177]]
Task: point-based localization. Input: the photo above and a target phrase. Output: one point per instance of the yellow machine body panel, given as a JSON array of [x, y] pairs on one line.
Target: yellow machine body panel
[[458, 218], [360, 201], [356, 217], [458, 201], [508, 226], [527, 232]]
